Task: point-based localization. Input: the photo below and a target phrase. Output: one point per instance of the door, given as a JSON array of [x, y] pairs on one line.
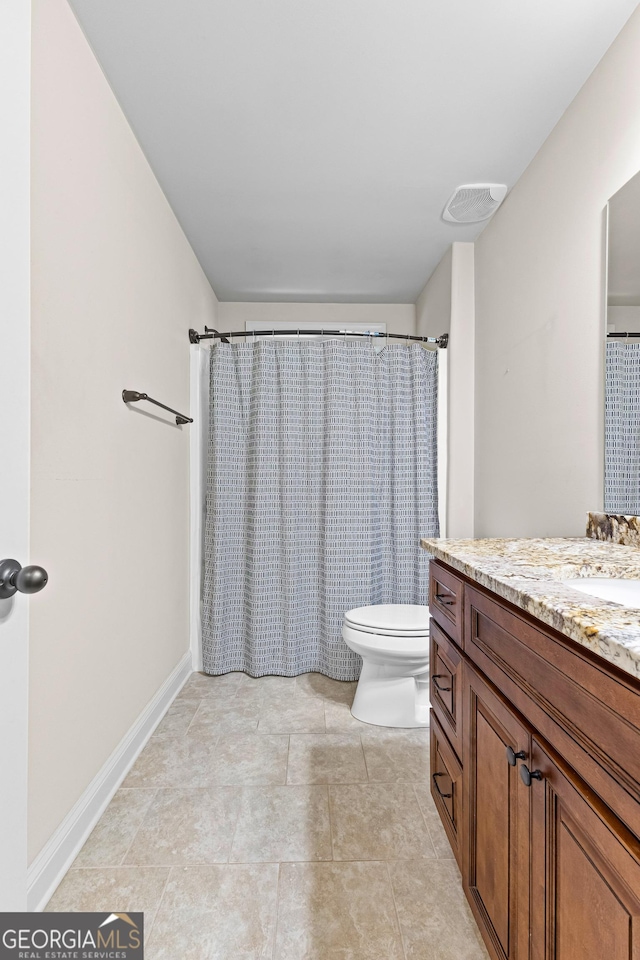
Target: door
[[585, 880], [496, 811], [15, 39]]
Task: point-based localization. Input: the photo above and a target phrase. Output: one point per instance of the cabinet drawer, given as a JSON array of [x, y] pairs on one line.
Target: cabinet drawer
[[445, 600], [445, 666], [446, 786]]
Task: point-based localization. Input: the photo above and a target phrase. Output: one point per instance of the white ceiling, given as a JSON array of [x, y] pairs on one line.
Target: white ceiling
[[308, 146]]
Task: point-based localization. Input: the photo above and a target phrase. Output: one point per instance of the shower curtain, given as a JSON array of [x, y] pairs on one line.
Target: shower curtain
[[321, 478], [622, 428]]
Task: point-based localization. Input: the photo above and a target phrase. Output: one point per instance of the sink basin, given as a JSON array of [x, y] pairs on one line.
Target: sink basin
[[624, 592]]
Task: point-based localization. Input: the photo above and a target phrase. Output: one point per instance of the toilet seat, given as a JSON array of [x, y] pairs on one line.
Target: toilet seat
[[385, 648], [390, 619]]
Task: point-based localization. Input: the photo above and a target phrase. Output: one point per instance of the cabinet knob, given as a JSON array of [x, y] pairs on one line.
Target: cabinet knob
[[527, 775], [512, 756]]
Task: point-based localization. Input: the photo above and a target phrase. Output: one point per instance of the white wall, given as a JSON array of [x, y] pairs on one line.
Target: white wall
[[399, 317], [433, 306], [446, 304], [461, 477], [115, 287], [623, 319], [539, 313]]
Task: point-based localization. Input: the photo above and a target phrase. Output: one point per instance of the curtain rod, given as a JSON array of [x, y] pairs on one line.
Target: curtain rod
[[623, 336], [210, 334]]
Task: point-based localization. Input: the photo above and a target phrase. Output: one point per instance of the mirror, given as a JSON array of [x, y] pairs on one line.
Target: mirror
[[622, 353]]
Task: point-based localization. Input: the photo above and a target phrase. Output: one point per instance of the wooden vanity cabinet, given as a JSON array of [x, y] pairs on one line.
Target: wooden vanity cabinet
[[547, 837]]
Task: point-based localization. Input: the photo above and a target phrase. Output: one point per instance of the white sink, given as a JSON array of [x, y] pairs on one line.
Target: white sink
[[624, 592]]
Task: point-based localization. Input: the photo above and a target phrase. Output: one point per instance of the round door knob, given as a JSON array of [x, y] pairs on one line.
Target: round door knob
[[512, 756], [14, 578], [31, 579], [527, 776]]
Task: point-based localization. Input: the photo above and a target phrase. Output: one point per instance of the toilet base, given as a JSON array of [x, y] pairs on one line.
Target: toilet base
[[386, 697]]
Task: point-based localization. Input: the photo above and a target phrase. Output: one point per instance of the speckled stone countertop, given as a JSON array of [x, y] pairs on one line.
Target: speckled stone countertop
[[527, 574]]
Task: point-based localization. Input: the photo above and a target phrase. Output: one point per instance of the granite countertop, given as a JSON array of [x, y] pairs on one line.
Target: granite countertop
[[527, 574]]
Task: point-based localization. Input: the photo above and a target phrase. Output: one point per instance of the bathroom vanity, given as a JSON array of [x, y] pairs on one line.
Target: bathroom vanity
[[535, 743]]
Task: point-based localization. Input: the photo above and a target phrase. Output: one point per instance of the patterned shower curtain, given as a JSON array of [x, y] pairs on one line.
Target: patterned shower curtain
[[321, 478], [622, 428]]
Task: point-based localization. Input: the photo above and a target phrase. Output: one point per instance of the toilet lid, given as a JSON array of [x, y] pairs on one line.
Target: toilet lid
[[391, 619]]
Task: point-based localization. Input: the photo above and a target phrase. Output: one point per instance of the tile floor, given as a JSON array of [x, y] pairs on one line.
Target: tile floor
[[263, 822]]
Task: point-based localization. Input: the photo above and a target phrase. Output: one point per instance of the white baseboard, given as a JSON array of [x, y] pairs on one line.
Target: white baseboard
[[197, 447], [53, 861]]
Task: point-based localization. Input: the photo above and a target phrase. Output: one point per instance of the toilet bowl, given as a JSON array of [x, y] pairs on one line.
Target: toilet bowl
[[393, 641]]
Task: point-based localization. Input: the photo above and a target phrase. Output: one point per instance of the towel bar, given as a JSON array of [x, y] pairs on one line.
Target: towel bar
[[132, 396]]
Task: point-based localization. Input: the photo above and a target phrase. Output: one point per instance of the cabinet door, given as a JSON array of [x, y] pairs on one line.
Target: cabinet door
[[496, 815], [585, 871]]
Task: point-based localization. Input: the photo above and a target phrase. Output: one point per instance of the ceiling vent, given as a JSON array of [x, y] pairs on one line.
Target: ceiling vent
[[474, 201]]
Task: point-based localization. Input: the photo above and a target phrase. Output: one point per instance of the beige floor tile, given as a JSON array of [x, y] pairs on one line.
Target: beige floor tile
[[201, 685], [338, 719], [417, 734], [393, 756], [377, 821], [112, 835], [217, 913], [187, 826], [324, 688], [434, 824], [224, 716], [250, 760], [175, 722], [219, 782], [183, 762], [278, 689], [304, 715], [326, 758], [112, 890], [435, 919], [282, 823], [336, 911]]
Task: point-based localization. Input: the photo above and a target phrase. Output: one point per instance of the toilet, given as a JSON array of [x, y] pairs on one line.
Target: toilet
[[393, 641]]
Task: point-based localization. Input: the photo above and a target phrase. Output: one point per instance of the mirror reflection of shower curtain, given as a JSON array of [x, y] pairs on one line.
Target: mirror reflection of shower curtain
[[622, 428], [321, 478]]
